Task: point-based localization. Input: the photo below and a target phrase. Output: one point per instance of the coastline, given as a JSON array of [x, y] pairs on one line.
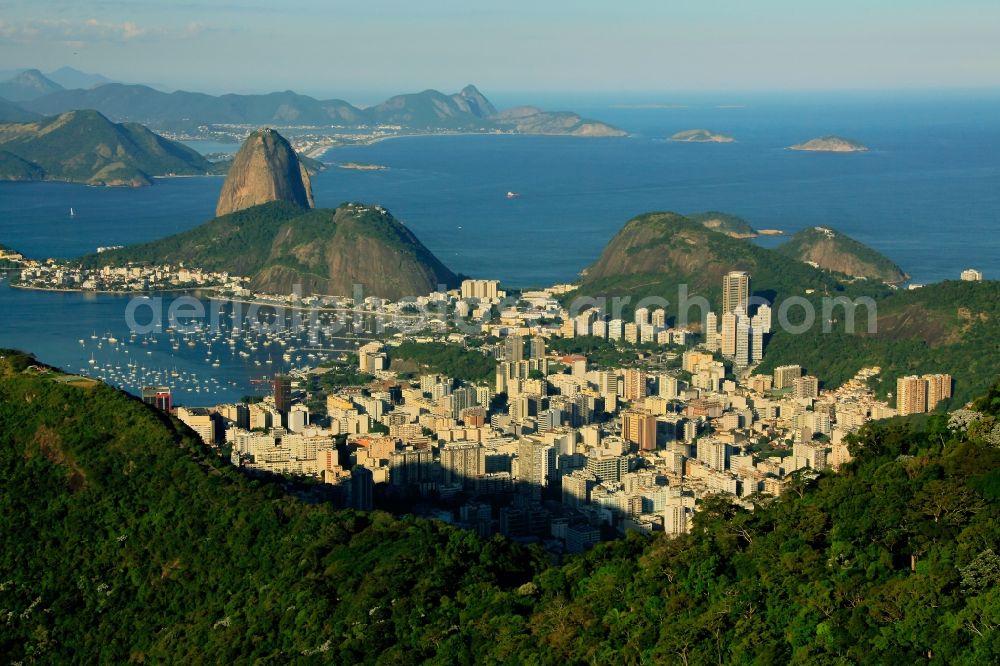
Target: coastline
[[207, 293], [412, 135], [121, 292]]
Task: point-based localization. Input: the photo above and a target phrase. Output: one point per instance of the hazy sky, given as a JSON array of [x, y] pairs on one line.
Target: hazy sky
[[326, 47]]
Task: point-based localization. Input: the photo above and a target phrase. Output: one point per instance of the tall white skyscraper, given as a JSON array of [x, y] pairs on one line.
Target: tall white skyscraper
[[729, 334], [712, 331], [763, 318], [615, 329], [756, 344], [735, 291], [742, 357]]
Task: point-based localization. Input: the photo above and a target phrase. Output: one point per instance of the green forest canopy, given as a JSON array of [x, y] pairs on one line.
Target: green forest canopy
[[123, 539]]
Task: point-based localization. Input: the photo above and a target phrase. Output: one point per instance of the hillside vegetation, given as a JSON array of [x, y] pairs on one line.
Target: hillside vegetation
[[655, 253], [280, 245], [85, 147], [731, 225], [835, 251], [123, 539], [951, 327]]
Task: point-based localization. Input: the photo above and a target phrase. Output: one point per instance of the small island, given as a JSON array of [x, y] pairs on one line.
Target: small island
[[362, 166], [701, 136], [830, 144]]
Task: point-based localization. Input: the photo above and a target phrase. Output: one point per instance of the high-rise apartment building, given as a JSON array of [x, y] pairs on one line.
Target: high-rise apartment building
[[742, 355], [735, 291], [729, 320], [911, 395], [480, 289], [805, 387], [712, 453], [938, 389], [639, 428], [635, 384], [537, 347], [786, 374], [462, 462], [513, 348], [712, 331], [282, 385], [535, 462], [756, 343]]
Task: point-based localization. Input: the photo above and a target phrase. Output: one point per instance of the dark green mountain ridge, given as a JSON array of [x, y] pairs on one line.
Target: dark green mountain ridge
[[951, 327], [280, 245], [84, 146], [655, 253], [123, 539]]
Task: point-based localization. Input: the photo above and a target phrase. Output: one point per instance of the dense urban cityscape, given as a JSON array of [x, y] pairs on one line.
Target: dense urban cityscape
[[554, 448], [521, 333]]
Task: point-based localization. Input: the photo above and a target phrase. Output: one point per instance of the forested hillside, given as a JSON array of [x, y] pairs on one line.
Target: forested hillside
[[123, 539]]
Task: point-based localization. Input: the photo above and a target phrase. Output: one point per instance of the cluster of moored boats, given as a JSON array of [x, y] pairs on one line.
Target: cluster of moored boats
[[230, 354]]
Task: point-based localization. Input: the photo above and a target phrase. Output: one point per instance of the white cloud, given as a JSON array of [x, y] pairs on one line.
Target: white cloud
[[86, 31]]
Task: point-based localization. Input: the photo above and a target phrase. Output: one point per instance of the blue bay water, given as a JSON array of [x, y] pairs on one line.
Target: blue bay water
[[927, 194]]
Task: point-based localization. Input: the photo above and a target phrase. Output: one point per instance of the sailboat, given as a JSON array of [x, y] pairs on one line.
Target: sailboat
[[72, 213]]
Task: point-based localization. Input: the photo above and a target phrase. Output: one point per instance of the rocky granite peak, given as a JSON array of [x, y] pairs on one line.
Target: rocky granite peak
[[265, 169]]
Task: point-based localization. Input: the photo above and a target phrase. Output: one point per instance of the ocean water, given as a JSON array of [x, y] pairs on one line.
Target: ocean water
[[927, 194]]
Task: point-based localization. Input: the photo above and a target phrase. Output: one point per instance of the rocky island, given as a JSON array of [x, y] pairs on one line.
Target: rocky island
[[830, 144], [362, 166], [701, 136]]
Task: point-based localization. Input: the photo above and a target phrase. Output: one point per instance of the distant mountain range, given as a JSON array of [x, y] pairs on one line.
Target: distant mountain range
[[12, 113], [64, 77], [467, 110], [28, 85]]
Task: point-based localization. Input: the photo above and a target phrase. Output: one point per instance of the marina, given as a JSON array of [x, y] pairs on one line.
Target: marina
[[203, 362]]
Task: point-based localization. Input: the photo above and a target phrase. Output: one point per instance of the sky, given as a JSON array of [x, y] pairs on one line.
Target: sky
[[329, 48]]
